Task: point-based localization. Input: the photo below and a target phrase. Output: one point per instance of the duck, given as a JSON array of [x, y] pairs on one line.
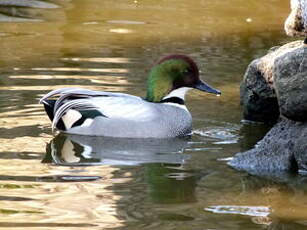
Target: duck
[[161, 114]]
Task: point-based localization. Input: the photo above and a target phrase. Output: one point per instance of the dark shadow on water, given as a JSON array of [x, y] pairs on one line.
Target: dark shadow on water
[[20, 131], [20, 155], [14, 198]]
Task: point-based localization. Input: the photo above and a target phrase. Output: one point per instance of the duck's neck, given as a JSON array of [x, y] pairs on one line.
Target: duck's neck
[[158, 85], [176, 97]]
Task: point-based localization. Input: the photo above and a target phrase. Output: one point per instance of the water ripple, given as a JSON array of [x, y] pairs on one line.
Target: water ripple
[[224, 135], [126, 22], [240, 210]]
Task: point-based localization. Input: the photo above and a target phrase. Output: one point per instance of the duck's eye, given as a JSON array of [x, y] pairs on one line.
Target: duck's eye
[[187, 71]]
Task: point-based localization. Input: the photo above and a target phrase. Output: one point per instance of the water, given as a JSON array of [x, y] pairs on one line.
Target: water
[[71, 182]]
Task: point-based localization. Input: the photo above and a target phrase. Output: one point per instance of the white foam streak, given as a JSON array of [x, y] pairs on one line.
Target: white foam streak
[[262, 211]]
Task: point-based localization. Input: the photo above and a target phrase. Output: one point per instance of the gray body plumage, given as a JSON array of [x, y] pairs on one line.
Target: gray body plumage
[[169, 121], [122, 115]]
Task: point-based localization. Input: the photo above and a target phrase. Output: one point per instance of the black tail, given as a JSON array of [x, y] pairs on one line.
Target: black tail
[[49, 105]]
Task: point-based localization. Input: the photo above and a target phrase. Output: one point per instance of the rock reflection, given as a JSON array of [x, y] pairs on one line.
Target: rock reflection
[[251, 133], [75, 150], [274, 201], [284, 194], [167, 185]]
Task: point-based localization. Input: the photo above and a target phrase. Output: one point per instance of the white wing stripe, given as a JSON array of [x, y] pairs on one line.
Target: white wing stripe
[[70, 118], [78, 104]]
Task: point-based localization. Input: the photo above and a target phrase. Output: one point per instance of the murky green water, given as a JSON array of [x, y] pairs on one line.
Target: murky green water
[[70, 182]]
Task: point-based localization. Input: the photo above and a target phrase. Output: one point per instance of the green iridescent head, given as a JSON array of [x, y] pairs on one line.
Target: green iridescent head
[[173, 72]]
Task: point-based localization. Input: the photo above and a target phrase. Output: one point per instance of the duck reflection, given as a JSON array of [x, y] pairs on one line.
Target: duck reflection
[[75, 150]]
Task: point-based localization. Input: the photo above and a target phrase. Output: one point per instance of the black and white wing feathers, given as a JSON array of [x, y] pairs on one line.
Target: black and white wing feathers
[[106, 104]]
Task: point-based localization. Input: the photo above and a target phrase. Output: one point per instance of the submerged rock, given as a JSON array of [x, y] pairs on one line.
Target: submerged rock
[[282, 149]]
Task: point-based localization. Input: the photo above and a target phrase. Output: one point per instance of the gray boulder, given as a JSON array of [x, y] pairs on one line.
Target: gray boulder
[[300, 150], [275, 88], [290, 83], [269, 81], [296, 23], [257, 96]]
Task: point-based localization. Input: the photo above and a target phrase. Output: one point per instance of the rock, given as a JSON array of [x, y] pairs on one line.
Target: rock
[[296, 23], [274, 88], [257, 96], [300, 151], [282, 149], [276, 83], [290, 83]]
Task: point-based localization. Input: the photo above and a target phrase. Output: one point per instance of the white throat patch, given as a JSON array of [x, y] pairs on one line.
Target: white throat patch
[[178, 93]]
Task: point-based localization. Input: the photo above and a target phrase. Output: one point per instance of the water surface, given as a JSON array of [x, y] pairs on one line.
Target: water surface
[[71, 182]]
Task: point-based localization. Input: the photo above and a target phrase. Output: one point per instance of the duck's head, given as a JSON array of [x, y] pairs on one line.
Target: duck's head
[[173, 76]]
